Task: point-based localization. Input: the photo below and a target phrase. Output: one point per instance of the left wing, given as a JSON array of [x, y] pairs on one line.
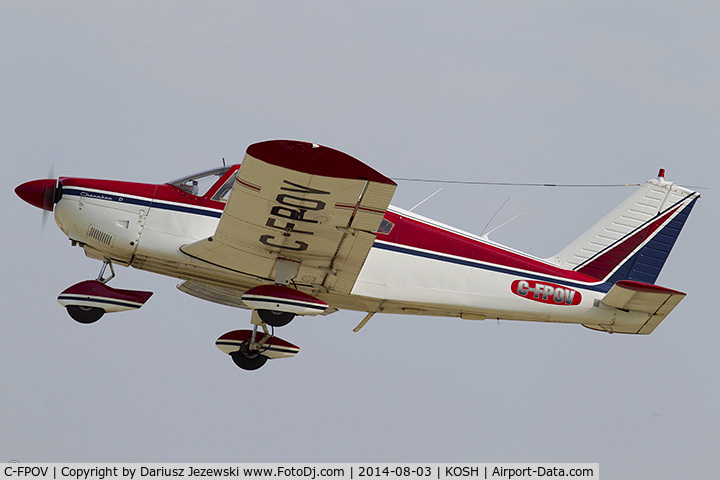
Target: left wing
[[299, 212]]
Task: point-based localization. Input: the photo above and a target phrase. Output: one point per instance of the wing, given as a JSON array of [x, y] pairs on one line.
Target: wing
[[299, 212]]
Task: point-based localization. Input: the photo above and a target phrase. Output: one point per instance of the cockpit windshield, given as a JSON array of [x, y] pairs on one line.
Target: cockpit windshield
[[199, 183]]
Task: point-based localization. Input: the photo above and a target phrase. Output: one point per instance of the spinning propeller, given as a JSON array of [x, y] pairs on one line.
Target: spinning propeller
[[41, 193]]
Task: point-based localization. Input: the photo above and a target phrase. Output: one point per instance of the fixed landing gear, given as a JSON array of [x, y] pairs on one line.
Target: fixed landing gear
[[275, 318], [250, 354], [86, 302], [274, 305], [85, 315], [251, 349], [248, 359]]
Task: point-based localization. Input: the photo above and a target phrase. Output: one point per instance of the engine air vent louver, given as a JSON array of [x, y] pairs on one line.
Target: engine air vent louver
[[102, 237]]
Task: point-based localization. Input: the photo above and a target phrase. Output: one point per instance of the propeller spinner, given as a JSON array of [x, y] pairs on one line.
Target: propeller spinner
[[40, 193]]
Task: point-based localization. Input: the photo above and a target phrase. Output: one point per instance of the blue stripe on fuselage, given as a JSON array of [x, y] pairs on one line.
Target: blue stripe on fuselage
[[144, 202], [466, 262]]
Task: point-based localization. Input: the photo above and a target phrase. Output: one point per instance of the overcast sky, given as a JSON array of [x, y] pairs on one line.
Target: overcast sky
[[562, 92]]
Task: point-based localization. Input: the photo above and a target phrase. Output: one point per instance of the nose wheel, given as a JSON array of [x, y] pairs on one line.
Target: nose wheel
[[86, 302]]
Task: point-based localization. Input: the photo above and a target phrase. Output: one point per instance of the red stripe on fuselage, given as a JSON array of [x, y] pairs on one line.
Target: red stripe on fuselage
[[407, 231], [415, 233], [146, 190]]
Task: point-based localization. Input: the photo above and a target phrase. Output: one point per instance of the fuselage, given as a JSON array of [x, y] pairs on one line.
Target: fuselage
[[416, 266]]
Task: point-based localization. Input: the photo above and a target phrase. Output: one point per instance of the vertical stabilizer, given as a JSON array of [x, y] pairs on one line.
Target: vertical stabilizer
[[633, 241]]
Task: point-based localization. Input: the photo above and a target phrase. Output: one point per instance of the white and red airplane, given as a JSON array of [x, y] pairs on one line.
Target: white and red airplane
[[302, 229]]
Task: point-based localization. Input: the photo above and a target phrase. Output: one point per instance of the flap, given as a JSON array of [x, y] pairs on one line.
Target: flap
[[299, 211], [642, 297], [212, 293]]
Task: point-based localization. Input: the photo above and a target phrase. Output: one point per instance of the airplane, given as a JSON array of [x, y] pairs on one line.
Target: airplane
[[303, 229]]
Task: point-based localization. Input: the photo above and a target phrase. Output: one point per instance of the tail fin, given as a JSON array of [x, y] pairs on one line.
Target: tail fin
[[633, 241]]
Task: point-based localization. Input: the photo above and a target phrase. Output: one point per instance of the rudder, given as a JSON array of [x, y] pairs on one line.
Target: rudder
[[634, 240]]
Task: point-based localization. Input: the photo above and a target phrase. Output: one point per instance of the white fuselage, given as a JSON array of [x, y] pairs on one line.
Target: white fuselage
[[397, 277]]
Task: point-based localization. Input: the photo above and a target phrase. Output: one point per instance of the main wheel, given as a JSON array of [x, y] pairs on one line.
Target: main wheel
[[85, 314], [275, 318], [248, 360]]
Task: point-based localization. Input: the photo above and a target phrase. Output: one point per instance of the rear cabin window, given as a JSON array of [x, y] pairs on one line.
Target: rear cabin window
[[385, 227]]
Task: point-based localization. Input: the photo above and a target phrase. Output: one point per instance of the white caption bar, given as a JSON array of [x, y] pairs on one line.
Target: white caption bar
[[306, 471]]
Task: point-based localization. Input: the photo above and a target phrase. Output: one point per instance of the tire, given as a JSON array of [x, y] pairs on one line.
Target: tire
[[275, 318], [85, 315], [248, 360]]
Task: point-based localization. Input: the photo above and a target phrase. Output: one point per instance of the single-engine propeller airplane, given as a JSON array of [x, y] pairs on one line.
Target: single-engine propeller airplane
[[302, 229]]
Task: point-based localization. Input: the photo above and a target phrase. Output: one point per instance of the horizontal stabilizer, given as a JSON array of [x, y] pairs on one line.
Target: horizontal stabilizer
[[630, 296], [642, 297]]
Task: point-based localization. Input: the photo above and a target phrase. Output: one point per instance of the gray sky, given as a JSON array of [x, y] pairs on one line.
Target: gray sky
[[565, 92]]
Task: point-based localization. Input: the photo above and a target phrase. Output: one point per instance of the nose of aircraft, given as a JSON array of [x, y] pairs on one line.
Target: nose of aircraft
[[39, 193]]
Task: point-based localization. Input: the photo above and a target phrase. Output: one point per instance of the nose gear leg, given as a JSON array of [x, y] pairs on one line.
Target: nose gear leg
[[100, 278]]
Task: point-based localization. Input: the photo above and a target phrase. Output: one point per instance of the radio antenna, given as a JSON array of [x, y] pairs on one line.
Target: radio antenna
[[426, 199], [513, 184], [494, 215], [486, 236]]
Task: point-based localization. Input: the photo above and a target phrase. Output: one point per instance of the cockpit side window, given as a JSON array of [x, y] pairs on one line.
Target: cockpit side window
[[199, 183], [223, 193]]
